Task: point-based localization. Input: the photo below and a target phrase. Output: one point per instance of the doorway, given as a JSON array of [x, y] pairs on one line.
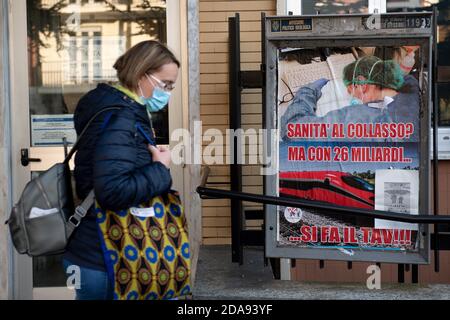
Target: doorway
[[61, 49]]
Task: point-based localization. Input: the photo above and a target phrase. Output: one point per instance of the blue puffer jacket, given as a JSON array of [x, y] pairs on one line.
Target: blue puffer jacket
[[113, 158]]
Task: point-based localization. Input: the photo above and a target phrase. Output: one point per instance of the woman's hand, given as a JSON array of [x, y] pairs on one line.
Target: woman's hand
[[161, 154]]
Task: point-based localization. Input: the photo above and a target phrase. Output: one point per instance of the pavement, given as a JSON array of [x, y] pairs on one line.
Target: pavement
[[220, 279]]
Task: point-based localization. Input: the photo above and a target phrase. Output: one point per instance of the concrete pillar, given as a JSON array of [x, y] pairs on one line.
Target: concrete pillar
[[192, 174], [5, 172]]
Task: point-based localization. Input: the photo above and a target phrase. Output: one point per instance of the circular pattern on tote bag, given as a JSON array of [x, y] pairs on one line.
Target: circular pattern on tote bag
[[163, 277], [133, 295], [159, 210], [186, 290], [115, 233], [169, 295], [101, 215], [180, 274], [185, 250], [169, 253], [123, 276], [175, 209], [144, 276], [172, 230], [151, 296], [136, 231], [155, 233], [152, 255], [131, 253], [122, 213], [113, 256]]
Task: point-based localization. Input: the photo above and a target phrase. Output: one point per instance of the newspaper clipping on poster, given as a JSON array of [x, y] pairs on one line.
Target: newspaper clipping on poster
[[349, 136]]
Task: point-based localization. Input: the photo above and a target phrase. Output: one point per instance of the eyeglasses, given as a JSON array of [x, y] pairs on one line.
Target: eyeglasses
[[166, 86], [288, 97]]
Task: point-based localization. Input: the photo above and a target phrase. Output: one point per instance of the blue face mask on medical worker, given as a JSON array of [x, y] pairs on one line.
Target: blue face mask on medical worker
[[158, 100], [355, 101]]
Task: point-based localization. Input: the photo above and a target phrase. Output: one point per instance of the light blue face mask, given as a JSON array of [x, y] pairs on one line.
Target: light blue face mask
[[355, 101], [157, 101]]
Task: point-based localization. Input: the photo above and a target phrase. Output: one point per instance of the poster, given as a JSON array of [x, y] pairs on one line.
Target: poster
[[49, 130], [349, 135]]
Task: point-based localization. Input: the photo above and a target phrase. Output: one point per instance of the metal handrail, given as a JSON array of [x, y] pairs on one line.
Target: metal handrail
[[213, 193]]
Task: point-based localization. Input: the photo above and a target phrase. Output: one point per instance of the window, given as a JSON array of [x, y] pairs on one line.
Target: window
[[443, 47], [335, 6], [358, 183]]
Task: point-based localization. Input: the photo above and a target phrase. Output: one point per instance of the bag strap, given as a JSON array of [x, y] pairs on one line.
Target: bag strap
[[80, 211], [145, 135], [83, 132]]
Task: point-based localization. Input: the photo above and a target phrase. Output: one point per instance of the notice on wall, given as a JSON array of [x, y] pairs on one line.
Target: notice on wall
[[396, 191], [49, 130]]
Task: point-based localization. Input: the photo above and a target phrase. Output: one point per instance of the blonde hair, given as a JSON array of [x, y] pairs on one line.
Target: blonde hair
[[145, 57]]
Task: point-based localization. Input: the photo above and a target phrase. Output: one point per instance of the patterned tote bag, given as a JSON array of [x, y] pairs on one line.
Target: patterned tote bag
[[146, 249]]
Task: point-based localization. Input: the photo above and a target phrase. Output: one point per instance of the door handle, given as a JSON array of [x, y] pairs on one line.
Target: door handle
[[25, 159]]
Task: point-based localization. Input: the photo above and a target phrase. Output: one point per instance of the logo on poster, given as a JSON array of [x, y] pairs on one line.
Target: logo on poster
[[275, 25], [293, 215]]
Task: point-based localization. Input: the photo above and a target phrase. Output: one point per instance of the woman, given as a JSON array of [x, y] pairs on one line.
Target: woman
[[115, 159]]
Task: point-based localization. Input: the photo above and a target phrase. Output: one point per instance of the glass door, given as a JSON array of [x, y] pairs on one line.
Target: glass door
[[71, 46]]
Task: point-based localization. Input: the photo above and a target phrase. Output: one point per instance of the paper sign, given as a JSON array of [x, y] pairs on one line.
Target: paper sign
[[396, 191], [49, 130]]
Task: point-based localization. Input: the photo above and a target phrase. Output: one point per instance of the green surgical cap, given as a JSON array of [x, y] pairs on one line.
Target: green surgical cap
[[385, 73]]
